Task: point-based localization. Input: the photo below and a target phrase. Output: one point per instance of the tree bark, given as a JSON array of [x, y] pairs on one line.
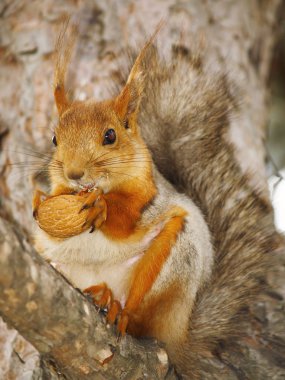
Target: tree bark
[[62, 325], [239, 38]]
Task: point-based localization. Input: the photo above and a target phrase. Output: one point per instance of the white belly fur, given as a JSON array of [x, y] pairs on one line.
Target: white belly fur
[[90, 259], [115, 276]]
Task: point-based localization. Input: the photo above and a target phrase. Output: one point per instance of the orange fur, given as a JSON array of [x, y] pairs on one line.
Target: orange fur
[[152, 262], [114, 311], [61, 189], [147, 320], [124, 211], [60, 99]]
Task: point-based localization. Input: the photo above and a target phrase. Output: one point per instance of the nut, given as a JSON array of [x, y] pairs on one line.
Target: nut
[[60, 216]]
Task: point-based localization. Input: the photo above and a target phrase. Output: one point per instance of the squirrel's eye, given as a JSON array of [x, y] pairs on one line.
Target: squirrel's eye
[[54, 140], [110, 137]]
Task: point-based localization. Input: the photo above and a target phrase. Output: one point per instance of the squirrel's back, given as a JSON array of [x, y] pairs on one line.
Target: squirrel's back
[[185, 118]]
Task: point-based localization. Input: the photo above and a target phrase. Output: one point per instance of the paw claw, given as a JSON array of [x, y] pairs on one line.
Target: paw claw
[[123, 322], [84, 207], [38, 198], [97, 213], [114, 312], [119, 336], [102, 297]]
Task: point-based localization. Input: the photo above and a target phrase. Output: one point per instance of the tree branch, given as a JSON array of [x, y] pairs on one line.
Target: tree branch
[[62, 324]]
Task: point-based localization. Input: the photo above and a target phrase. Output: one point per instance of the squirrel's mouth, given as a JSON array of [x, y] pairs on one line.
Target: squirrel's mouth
[[87, 186], [81, 185]]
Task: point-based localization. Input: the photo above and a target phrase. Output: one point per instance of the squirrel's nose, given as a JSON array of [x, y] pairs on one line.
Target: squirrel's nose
[[75, 174]]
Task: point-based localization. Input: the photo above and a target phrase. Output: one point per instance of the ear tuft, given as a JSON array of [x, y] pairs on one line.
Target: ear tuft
[[127, 103], [63, 52]]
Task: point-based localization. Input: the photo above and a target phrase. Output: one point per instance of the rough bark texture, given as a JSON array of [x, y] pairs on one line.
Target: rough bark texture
[[62, 325], [239, 37]]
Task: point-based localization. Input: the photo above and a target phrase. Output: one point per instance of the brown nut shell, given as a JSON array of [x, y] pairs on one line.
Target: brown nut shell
[[60, 216]]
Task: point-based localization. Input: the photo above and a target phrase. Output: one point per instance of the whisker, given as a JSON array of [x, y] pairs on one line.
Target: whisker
[[125, 174], [32, 164], [37, 155], [102, 155], [115, 164], [41, 156], [124, 154], [124, 157]]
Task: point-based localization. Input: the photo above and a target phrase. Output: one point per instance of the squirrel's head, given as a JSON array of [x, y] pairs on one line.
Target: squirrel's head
[[98, 144]]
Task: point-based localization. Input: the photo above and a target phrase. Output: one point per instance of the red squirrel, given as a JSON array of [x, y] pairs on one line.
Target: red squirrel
[[148, 252]]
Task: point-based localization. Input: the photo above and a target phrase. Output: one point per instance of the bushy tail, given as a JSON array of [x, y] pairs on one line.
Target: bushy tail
[[185, 118]]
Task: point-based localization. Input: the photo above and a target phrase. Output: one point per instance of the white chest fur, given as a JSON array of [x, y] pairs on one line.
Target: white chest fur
[[116, 276]]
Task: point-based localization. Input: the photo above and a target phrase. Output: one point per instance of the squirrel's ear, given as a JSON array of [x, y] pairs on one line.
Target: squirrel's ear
[[63, 52], [127, 103]]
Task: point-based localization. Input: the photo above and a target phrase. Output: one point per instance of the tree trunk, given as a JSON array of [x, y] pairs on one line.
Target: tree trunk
[[238, 37]]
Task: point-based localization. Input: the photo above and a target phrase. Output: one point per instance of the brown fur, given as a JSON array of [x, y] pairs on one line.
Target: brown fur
[[185, 117]]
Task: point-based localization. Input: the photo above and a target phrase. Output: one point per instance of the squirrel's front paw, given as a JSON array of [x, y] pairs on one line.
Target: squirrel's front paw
[[38, 197], [97, 207], [102, 297]]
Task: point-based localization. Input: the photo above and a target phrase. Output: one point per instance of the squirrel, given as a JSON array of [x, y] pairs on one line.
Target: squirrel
[[176, 267], [148, 250]]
